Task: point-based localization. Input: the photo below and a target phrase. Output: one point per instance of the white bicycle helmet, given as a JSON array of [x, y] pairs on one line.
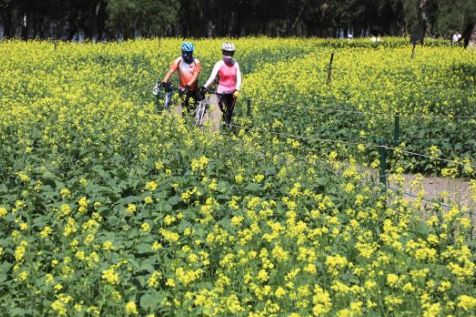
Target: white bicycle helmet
[[228, 47]]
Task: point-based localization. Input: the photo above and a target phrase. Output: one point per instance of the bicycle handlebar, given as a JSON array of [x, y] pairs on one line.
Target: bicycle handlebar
[[168, 88]]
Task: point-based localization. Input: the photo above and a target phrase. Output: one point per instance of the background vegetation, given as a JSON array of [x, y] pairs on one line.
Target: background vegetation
[[108, 208], [100, 19]]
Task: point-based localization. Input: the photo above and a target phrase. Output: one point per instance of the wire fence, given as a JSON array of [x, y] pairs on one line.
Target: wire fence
[[371, 145], [434, 197], [367, 113], [366, 143], [384, 169], [413, 196]]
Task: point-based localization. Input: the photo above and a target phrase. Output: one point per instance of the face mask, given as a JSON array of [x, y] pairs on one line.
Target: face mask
[[228, 59], [187, 57]]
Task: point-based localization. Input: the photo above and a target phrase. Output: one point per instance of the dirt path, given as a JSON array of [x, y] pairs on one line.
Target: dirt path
[[212, 116], [442, 189], [456, 190]]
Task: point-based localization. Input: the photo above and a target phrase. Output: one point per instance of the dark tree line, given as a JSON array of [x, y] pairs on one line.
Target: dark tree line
[[106, 19], [30, 19]]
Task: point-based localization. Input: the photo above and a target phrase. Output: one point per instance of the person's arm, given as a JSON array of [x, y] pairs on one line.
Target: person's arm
[[238, 77], [213, 76], [168, 75], [172, 69]]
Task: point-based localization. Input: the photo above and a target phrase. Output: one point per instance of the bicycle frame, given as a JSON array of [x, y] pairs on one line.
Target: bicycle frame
[[168, 100], [202, 108], [167, 96]]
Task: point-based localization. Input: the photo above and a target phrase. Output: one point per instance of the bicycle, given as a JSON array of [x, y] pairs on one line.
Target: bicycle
[[185, 97], [167, 97], [200, 111]]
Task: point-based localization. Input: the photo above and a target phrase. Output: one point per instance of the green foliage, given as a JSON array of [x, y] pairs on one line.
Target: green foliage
[[234, 18], [453, 15], [150, 16], [108, 208]]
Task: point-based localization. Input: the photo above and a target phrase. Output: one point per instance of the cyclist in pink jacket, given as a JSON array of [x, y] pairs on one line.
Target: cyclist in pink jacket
[[229, 82]]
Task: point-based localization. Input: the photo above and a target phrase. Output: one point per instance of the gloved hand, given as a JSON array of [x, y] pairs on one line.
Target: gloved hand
[[167, 86], [203, 89], [236, 94], [186, 88]]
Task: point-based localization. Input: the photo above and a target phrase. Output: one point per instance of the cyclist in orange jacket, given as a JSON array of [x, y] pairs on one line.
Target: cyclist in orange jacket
[[188, 69]]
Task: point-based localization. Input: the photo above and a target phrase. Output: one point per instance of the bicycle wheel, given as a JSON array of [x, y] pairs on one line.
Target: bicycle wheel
[[200, 113], [167, 101]]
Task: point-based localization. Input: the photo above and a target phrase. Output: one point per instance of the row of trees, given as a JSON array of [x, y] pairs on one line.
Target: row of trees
[[101, 19]]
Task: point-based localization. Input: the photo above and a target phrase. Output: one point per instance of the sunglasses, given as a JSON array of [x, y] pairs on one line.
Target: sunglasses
[[227, 53]]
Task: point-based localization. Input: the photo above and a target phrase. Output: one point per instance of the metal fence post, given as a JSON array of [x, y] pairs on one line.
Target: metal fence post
[[248, 107], [382, 150], [396, 134], [329, 72]]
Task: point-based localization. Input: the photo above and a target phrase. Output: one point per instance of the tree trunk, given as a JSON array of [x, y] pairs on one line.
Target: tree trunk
[[95, 18], [209, 29], [30, 25], [23, 26], [420, 29], [469, 36], [137, 32]]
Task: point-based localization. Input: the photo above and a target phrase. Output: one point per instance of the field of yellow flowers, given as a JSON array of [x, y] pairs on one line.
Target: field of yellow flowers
[[433, 94], [108, 208]]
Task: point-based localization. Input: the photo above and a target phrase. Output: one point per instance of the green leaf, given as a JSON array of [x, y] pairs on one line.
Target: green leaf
[[130, 200], [134, 263], [226, 224], [421, 228], [222, 186], [17, 311], [174, 200], [151, 301], [253, 187], [184, 225], [48, 176], [3, 277], [144, 248], [323, 181], [5, 266], [374, 314], [270, 171], [148, 265], [164, 206]]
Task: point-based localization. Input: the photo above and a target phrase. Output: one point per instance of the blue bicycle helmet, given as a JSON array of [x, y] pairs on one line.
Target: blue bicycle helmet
[[187, 47]]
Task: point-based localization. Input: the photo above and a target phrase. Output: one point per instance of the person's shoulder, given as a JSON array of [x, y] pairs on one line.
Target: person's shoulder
[[219, 63], [196, 60], [175, 64]]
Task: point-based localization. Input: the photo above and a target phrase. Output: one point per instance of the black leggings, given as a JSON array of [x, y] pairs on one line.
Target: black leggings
[[226, 102]]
